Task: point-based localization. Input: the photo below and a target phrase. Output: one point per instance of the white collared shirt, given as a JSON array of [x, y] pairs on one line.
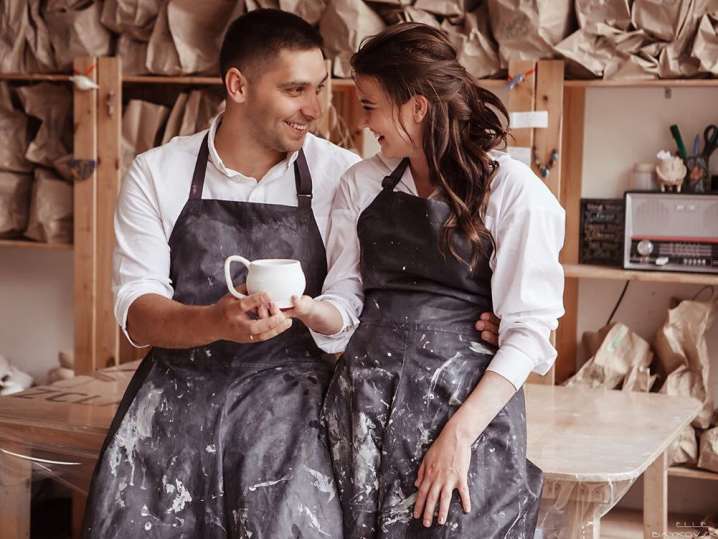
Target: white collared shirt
[[156, 188], [527, 224]]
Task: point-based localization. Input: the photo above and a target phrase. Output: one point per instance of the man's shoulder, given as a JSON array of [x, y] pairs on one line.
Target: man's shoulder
[[329, 154], [178, 148]]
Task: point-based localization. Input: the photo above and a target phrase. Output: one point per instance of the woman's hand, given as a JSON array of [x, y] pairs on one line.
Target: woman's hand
[[303, 308], [445, 467]]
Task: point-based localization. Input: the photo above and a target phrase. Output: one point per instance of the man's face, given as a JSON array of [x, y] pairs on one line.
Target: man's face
[[283, 98]]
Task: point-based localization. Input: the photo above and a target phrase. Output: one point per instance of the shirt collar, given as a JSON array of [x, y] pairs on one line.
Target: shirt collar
[[282, 167]]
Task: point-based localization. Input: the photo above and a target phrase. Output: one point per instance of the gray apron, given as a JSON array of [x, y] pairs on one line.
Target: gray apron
[[224, 440], [413, 360]]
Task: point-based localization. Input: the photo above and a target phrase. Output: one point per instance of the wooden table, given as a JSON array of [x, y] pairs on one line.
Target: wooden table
[[591, 444]]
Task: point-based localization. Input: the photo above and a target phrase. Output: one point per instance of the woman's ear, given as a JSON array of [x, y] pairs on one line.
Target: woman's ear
[[420, 108], [235, 83]]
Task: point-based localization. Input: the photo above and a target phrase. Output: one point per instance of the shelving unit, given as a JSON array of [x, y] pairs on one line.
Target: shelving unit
[[587, 271], [27, 244]]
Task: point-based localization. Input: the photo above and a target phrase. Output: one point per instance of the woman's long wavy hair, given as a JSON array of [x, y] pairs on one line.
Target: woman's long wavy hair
[[461, 127]]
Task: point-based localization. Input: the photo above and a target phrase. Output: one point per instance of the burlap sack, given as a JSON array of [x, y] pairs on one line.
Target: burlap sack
[[619, 352], [15, 192], [705, 46], [476, 50], [529, 30], [13, 133], [684, 450], [344, 25], [131, 18], [708, 458], [50, 209], [141, 124], [52, 105], [76, 33]]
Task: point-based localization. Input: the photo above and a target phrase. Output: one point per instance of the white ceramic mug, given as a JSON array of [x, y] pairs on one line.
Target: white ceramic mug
[[279, 278]]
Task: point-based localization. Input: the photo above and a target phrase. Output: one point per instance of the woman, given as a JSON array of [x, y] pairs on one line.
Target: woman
[[447, 228]]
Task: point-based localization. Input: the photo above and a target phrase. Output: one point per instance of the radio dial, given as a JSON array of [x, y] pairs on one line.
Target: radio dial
[[644, 247]]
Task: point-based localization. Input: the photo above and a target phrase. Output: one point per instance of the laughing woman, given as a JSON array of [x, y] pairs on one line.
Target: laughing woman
[[447, 227]]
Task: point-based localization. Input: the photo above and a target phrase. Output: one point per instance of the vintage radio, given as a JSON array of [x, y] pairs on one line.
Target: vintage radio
[[671, 232]]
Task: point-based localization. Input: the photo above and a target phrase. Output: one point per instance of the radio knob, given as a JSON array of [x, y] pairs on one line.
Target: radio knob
[[644, 247]]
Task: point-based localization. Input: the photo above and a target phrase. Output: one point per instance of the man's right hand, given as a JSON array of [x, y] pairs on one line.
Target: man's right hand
[[249, 320]]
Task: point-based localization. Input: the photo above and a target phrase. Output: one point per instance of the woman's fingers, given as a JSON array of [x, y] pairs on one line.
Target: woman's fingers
[[430, 506], [464, 495], [445, 503]]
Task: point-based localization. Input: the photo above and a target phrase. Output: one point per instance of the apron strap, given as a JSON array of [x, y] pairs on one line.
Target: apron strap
[[200, 169], [394, 178], [304, 181]]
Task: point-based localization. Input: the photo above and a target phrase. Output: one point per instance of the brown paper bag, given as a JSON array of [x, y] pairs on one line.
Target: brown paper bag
[[686, 382], [615, 13], [77, 33], [309, 10], [141, 123], [705, 46], [639, 379], [131, 18], [133, 55], [162, 57], [684, 450], [411, 14], [15, 192], [476, 50], [174, 121], [52, 104], [446, 8], [197, 31], [529, 30], [38, 38], [660, 20], [24, 40], [50, 209], [619, 352], [344, 25], [708, 458], [13, 133]]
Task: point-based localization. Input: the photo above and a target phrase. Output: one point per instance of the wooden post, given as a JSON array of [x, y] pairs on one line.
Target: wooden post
[[15, 480], [109, 137], [85, 149], [655, 498], [521, 99], [574, 110]]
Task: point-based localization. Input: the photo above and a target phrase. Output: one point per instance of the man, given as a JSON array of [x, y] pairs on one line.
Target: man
[[218, 434]]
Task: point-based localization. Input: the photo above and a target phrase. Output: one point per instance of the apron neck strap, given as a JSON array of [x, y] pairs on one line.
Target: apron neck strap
[[304, 181], [200, 169], [394, 178], [301, 175]]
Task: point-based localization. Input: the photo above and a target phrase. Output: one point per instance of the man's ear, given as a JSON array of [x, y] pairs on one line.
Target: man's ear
[[236, 85], [420, 108]]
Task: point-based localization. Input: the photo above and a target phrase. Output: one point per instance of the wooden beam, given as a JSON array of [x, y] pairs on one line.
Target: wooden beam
[[549, 97], [574, 110], [521, 99], [85, 214], [109, 137], [15, 488]]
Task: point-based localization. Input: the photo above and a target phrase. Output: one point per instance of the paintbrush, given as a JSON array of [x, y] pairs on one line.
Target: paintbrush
[[679, 141]]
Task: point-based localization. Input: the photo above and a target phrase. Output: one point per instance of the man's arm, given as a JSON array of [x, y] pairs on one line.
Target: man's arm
[[158, 321]]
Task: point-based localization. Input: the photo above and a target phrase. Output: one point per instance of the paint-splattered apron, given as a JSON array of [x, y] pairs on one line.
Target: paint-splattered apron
[[224, 440], [413, 360]]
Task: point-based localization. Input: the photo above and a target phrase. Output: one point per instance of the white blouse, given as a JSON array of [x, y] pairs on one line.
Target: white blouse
[[527, 224]]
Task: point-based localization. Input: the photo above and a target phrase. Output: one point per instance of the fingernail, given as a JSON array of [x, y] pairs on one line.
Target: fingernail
[[427, 523], [442, 521]]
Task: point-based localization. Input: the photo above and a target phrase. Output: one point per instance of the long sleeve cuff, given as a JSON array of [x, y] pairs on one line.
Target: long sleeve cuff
[[513, 365], [126, 298], [336, 343]]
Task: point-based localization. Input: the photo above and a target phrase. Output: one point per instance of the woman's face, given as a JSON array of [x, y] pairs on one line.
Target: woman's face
[[396, 127]]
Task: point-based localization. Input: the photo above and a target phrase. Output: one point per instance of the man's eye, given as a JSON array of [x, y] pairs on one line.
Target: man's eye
[[320, 89], [294, 91]]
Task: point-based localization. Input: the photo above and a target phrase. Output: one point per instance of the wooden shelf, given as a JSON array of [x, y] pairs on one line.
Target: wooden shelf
[[585, 271], [35, 77], [661, 83], [162, 79], [692, 473], [27, 244]]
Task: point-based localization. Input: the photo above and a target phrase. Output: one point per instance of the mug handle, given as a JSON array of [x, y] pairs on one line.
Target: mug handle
[[228, 274]]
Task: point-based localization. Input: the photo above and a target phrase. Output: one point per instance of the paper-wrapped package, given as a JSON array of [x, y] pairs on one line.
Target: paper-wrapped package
[[705, 46], [14, 203], [708, 458], [50, 209], [52, 105], [684, 450], [76, 33], [13, 133], [141, 124], [619, 352], [476, 50], [131, 18], [529, 30], [344, 25]]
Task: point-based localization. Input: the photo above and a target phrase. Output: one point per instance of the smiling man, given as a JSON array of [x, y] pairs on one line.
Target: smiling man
[[218, 434]]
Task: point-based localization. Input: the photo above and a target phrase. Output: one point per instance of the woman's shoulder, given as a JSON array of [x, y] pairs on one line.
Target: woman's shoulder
[[367, 175]]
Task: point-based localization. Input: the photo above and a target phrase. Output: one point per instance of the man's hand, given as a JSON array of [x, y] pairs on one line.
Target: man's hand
[[488, 325], [251, 319]]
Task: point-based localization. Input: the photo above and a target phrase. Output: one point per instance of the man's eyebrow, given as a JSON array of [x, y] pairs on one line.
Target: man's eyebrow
[[302, 83]]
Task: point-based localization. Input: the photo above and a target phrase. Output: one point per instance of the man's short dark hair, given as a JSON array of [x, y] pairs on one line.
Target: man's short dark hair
[[254, 38]]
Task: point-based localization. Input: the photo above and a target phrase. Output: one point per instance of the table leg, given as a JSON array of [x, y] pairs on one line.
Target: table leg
[[15, 490], [655, 499]]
